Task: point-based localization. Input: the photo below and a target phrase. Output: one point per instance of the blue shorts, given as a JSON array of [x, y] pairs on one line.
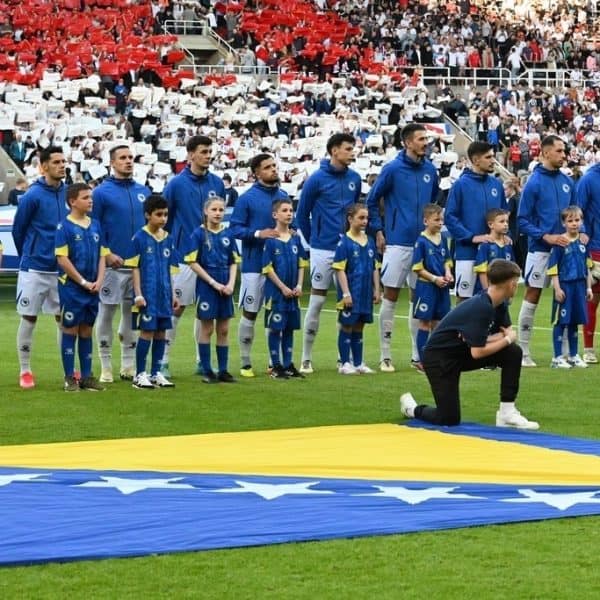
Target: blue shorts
[[282, 320], [347, 317], [431, 302], [146, 322], [212, 305], [77, 306], [573, 311]]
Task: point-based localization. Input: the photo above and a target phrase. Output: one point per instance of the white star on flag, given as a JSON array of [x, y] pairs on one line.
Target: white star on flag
[[417, 496], [130, 486], [8, 479], [560, 500], [269, 491]]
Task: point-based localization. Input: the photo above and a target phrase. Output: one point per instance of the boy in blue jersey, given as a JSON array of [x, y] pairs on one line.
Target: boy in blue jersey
[[80, 257], [119, 208], [406, 184], [212, 257], [472, 195], [495, 247], [432, 264], [325, 196], [569, 268], [40, 210], [547, 192], [153, 261], [357, 269], [283, 265], [252, 223]]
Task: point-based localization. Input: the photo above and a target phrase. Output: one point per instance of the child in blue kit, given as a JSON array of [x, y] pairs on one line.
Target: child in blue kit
[[81, 262], [153, 262], [357, 268], [432, 264], [212, 256], [569, 269], [496, 247], [284, 261]]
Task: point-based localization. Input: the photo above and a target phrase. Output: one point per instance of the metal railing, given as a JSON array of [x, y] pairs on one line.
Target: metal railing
[[202, 28], [259, 72]]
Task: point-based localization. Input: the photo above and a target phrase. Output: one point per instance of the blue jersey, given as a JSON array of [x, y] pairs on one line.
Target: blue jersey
[[284, 258], [41, 208], [544, 196], [587, 196], [359, 261], [214, 251], [82, 245], [471, 196], [186, 194], [431, 255], [119, 208], [406, 186], [486, 253], [570, 263], [252, 212], [155, 258], [326, 195]]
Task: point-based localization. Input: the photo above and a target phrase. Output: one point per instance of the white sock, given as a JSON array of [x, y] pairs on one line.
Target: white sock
[[386, 326], [24, 343], [565, 343], [171, 334], [311, 324], [413, 330], [506, 408], [245, 339], [526, 316], [104, 333], [128, 338]]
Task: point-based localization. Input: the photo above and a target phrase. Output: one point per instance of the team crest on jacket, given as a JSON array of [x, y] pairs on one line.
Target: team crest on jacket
[[96, 238], [167, 252], [226, 241], [371, 253], [295, 249], [141, 197], [494, 192], [352, 186], [566, 188], [427, 178]]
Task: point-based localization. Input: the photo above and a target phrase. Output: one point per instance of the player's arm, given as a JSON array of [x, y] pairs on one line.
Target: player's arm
[[452, 215], [380, 189], [25, 209], [269, 272], [305, 206], [72, 273], [553, 263], [136, 277], [100, 271], [376, 284], [495, 343]]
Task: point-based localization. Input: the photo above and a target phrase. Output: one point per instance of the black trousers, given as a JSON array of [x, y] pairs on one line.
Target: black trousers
[[443, 371]]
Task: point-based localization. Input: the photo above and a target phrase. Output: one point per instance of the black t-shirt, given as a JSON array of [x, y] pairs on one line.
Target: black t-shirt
[[469, 324]]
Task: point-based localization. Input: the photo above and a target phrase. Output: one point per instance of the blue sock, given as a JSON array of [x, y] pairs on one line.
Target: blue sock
[[222, 358], [84, 348], [204, 354], [557, 333], [141, 353], [356, 343], [67, 350], [287, 346], [344, 346], [158, 350], [573, 340], [274, 346], [422, 337]]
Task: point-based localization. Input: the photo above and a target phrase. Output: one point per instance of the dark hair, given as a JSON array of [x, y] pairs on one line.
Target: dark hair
[[113, 151], [409, 130], [197, 140], [337, 139], [352, 210], [258, 160], [502, 270], [154, 202], [432, 209], [46, 153], [74, 189], [279, 202], [478, 149], [226, 177], [550, 140], [491, 214]]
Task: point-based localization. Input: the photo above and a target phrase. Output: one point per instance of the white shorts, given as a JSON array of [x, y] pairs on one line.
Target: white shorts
[[117, 286], [396, 267], [252, 292], [536, 266], [37, 292], [465, 278], [321, 271], [184, 285]]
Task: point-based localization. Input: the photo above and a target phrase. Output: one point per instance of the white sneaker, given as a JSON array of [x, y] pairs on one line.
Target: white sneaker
[[363, 369], [577, 361], [347, 369], [527, 361], [408, 405], [142, 382], [515, 419], [306, 367], [561, 363], [590, 357], [106, 376], [386, 366], [159, 380]]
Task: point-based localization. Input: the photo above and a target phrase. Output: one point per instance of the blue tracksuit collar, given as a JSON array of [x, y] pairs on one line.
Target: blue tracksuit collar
[[543, 171], [477, 176], [121, 180], [329, 168], [267, 189], [408, 160], [191, 175], [41, 181]]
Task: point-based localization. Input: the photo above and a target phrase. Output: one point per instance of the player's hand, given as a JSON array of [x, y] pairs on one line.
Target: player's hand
[[508, 240], [584, 238], [287, 292], [560, 295], [556, 239], [510, 333], [376, 298], [94, 286], [227, 290], [481, 239], [114, 261], [297, 291], [448, 278], [347, 301], [589, 295], [380, 242], [268, 233], [139, 301]]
